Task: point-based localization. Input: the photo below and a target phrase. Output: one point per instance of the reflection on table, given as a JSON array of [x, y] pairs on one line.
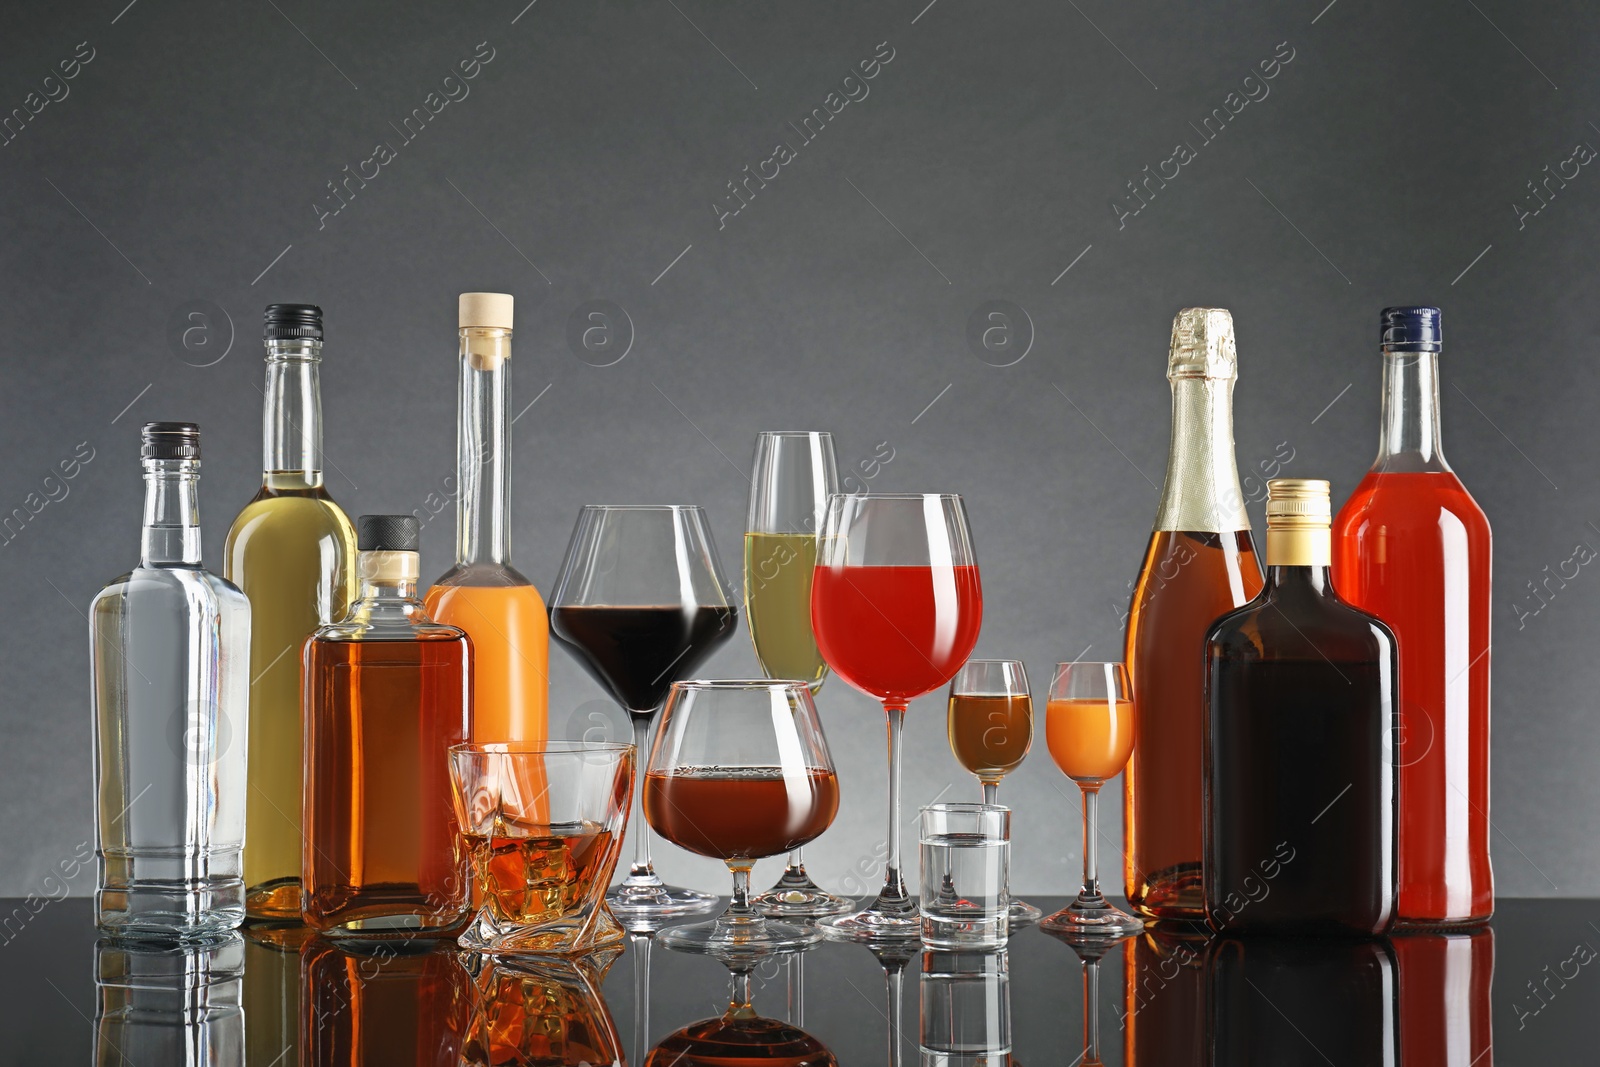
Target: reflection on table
[[277, 997]]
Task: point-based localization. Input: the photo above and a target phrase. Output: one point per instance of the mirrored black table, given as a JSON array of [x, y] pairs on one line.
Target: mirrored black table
[[1524, 991]]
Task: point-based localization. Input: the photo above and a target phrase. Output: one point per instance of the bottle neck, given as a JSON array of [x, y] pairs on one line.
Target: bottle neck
[[292, 417], [1202, 488], [1280, 577], [389, 577], [171, 533], [483, 448], [1299, 548], [1409, 438]]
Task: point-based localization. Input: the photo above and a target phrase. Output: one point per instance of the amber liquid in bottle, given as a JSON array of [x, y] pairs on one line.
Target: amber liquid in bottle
[[1200, 563], [387, 692]]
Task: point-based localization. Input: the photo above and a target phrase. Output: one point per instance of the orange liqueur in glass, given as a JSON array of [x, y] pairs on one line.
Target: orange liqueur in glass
[[387, 692]]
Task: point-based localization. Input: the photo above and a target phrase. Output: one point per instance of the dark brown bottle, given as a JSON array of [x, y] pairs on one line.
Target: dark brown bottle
[[1300, 800]]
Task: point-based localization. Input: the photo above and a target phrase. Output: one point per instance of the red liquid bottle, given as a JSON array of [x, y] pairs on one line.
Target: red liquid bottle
[[1412, 547]]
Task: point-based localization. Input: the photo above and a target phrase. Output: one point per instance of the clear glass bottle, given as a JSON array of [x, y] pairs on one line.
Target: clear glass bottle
[[1413, 547], [483, 593], [169, 648], [386, 693], [1300, 797], [1201, 562], [170, 1002], [292, 550]]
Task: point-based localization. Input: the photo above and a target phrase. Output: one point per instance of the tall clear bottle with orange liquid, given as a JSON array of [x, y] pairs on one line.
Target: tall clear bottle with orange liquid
[[483, 593]]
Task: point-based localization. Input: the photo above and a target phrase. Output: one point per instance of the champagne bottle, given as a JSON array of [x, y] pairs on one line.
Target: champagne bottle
[[483, 593], [1300, 798], [292, 550], [1200, 563]]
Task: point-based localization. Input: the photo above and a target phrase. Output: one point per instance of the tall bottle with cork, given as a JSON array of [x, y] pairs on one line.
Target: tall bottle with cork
[[1200, 563], [483, 593], [1413, 547]]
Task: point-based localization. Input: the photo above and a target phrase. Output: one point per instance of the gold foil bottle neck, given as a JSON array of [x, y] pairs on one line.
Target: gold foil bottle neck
[[1202, 490], [1299, 515], [1202, 345]]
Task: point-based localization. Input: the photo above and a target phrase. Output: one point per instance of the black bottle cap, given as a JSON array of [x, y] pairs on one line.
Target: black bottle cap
[[286, 322], [1411, 329], [388, 533], [170, 440]]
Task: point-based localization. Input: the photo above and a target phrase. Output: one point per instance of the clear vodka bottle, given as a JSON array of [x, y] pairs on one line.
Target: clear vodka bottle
[[170, 657]]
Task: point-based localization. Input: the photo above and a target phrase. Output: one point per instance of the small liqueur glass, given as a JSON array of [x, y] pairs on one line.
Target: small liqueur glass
[[1089, 728], [965, 862], [991, 732], [542, 822], [740, 771]]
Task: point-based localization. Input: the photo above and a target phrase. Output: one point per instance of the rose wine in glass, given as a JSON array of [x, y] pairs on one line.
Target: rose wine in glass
[[795, 471], [641, 602], [896, 605], [1089, 727], [991, 731]]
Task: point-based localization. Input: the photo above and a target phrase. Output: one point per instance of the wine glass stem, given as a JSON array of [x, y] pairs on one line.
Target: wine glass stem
[[1091, 1011], [894, 886], [739, 907], [1091, 866], [642, 867], [990, 791], [797, 862]]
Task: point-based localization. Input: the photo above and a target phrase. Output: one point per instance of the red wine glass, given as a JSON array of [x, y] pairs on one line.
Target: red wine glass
[[641, 602], [896, 605]]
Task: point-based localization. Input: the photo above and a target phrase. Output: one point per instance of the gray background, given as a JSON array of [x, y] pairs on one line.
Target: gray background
[[184, 164]]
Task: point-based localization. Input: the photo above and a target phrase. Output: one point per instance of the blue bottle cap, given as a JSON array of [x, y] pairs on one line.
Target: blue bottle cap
[[1411, 329]]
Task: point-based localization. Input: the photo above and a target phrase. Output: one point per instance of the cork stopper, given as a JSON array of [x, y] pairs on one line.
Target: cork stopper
[[1298, 519], [485, 309], [1202, 345]]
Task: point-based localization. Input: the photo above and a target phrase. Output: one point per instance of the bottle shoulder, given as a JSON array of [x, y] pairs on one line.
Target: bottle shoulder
[[1402, 501], [168, 589], [483, 575], [1301, 624]]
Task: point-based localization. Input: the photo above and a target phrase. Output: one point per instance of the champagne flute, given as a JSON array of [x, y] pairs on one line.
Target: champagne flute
[[794, 473], [896, 605], [1089, 728], [641, 602], [991, 730], [740, 771]]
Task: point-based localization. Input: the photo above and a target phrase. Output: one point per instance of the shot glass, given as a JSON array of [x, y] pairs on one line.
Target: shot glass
[[965, 1016], [966, 864], [542, 824]]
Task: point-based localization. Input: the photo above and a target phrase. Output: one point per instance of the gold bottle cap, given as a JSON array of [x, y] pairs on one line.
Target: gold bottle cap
[[1298, 519], [1202, 345], [1298, 504], [485, 309]]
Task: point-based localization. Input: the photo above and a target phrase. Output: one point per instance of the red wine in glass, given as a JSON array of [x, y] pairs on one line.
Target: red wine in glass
[[636, 653]]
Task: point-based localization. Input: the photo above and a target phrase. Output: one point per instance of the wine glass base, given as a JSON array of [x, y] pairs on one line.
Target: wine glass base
[[872, 927], [737, 941], [1023, 915], [639, 904], [1101, 920], [800, 902]]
